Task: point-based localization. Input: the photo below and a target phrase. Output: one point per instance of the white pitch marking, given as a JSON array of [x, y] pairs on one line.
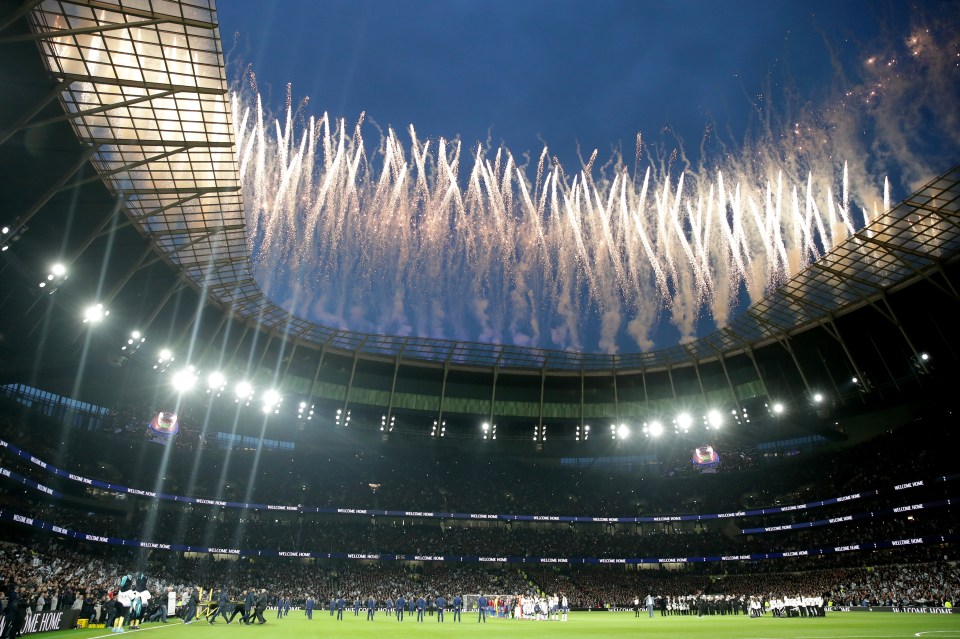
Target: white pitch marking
[[134, 632]]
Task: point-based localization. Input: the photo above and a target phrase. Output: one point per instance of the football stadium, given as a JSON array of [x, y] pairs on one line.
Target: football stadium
[[257, 371]]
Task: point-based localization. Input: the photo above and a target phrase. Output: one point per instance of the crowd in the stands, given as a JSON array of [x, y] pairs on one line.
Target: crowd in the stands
[[264, 530], [51, 576]]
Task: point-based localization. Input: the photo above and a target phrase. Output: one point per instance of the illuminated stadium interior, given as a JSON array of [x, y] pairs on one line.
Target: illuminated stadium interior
[[129, 303]]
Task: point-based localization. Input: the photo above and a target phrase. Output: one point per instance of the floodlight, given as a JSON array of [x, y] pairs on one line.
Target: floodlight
[[778, 408], [684, 420], [623, 431], [271, 397], [184, 380], [714, 419], [5, 230], [817, 398], [165, 354], [924, 356], [94, 314], [216, 380], [243, 390], [136, 335], [58, 269], [485, 427], [656, 429]]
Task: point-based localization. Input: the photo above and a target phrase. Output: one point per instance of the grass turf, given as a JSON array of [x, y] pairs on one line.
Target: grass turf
[[582, 625]]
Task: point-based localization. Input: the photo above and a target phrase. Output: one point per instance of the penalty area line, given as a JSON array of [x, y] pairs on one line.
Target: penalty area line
[[135, 632]]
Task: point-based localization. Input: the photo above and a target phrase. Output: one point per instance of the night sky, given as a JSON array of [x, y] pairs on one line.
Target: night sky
[[576, 75]]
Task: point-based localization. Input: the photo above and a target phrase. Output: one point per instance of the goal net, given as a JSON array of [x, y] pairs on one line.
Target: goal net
[[493, 600]]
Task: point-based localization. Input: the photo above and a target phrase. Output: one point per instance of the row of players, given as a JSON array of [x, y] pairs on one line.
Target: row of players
[[702, 605], [127, 606], [525, 607], [522, 607]]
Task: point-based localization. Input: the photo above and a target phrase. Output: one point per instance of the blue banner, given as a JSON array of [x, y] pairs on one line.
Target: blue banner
[[855, 517]]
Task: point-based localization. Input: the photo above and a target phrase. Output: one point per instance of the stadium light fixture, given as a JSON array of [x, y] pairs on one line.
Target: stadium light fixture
[[684, 421], [656, 429], [243, 390], [921, 362], [94, 314], [134, 342], [58, 270], [164, 359], [184, 380], [623, 431], [216, 381], [271, 400], [714, 419], [778, 408], [817, 398]]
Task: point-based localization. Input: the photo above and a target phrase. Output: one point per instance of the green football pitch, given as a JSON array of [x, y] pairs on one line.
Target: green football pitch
[[580, 625]]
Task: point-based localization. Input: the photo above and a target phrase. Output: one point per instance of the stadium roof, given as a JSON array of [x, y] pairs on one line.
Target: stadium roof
[[144, 86]]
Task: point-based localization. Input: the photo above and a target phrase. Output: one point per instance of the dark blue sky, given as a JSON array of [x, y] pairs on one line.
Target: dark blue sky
[[563, 73], [529, 72]]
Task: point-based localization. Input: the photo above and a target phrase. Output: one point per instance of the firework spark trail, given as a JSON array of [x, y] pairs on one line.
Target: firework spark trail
[[392, 244], [423, 237]]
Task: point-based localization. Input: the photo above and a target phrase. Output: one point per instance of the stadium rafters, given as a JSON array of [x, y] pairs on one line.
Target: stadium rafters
[[144, 86]]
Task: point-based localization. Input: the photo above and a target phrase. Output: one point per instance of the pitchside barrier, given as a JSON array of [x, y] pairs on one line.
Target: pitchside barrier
[[45, 621]]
